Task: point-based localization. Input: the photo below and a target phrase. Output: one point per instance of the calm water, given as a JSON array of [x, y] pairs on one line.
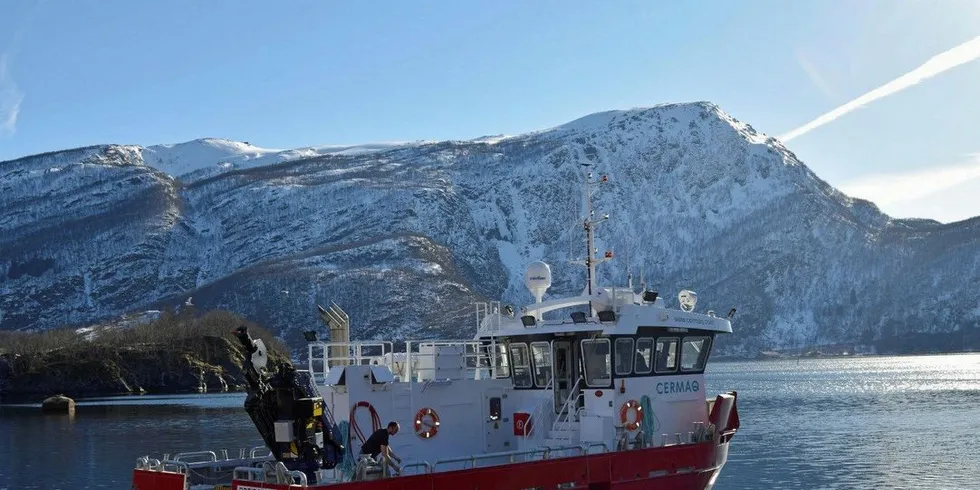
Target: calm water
[[861, 423]]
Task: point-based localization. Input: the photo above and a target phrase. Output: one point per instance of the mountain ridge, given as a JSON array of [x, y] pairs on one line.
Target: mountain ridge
[[699, 199]]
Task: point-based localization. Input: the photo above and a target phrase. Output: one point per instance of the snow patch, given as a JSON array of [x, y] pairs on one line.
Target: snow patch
[[208, 156]]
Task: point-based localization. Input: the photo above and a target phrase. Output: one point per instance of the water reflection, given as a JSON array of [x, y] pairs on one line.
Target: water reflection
[[98, 447], [895, 422]]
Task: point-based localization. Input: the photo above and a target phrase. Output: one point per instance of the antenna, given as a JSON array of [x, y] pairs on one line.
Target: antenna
[[629, 271], [589, 225]]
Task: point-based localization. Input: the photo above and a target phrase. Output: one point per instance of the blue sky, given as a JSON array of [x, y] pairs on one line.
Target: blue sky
[[300, 73]]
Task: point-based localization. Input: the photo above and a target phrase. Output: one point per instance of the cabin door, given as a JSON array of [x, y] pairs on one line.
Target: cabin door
[[496, 431], [564, 374]]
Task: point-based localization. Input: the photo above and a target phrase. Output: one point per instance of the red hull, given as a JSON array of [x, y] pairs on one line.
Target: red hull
[[683, 467]]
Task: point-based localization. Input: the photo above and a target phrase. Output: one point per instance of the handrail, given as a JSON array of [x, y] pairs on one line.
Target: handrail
[[573, 395], [195, 460], [252, 453], [148, 463], [354, 350], [299, 475], [587, 447], [565, 416], [249, 473], [211, 454], [181, 467], [473, 458], [474, 360], [511, 455], [534, 411], [282, 474], [487, 310], [425, 464]]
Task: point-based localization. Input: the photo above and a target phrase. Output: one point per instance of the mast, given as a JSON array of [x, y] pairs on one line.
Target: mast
[[589, 225]]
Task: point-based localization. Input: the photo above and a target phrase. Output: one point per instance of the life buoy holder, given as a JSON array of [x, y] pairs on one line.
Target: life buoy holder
[[624, 415], [431, 428]]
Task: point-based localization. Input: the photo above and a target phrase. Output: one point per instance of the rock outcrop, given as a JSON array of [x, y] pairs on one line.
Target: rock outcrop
[[171, 355]]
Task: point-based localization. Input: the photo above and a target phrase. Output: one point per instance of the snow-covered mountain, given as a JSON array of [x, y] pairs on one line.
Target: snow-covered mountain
[[407, 236]]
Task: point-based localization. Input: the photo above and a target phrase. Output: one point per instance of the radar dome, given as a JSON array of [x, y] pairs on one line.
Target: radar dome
[[537, 278], [687, 299]]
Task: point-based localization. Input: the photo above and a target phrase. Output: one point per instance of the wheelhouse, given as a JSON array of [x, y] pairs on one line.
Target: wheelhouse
[[555, 362]]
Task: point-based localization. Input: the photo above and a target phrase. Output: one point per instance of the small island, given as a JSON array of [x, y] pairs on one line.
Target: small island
[[175, 353]]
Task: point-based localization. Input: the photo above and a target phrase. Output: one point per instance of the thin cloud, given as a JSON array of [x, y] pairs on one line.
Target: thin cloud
[[964, 53], [10, 99], [814, 75], [890, 189]]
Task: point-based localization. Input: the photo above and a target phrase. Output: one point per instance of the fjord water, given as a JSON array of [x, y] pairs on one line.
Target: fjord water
[[842, 423]]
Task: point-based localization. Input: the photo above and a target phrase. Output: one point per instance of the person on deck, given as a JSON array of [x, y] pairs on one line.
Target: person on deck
[[378, 444]]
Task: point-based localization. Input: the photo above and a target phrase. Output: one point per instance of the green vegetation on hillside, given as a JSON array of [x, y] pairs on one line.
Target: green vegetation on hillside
[[175, 353]]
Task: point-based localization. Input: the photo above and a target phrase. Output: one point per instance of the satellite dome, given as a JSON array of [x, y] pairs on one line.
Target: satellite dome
[[537, 278], [687, 299]]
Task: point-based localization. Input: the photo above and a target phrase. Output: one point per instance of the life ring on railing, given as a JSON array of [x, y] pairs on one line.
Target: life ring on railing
[[375, 420], [432, 427], [624, 414]]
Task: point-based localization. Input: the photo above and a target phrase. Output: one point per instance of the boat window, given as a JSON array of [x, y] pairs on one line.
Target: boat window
[[541, 355], [502, 368], [595, 353], [666, 355], [520, 365], [495, 408], [694, 353], [644, 352], [624, 356]]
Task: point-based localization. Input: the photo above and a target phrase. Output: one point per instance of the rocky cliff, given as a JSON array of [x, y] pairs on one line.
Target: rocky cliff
[[406, 237]]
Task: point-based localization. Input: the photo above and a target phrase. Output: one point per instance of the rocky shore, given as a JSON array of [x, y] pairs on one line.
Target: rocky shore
[[178, 356]]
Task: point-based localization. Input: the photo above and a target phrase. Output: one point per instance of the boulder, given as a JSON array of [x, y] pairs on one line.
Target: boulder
[[58, 404]]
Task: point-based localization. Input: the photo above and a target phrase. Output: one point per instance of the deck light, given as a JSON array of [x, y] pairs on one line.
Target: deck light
[[607, 316]]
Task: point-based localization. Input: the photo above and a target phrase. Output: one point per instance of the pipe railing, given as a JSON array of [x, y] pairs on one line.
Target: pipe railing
[[474, 360], [511, 456], [541, 403], [210, 455]]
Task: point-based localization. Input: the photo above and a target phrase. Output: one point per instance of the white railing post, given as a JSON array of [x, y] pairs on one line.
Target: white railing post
[[541, 403], [409, 363], [566, 412]]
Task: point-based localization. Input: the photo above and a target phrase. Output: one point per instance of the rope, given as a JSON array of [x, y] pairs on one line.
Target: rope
[[348, 464], [650, 420]]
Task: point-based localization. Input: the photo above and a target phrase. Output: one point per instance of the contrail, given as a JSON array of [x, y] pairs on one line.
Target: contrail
[[964, 53]]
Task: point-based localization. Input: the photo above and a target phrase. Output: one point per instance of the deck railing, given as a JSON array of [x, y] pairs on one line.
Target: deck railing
[[416, 360], [569, 411], [537, 416]]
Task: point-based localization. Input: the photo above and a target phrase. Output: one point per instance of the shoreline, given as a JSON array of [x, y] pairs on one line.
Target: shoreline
[[173, 355]]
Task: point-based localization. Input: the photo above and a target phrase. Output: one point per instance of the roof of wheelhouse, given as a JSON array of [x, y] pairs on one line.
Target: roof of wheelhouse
[[628, 319]]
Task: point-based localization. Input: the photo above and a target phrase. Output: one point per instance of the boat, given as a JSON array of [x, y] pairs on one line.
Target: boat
[[601, 390]]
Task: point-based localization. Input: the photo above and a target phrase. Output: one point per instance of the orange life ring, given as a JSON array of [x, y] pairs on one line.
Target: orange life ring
[[433, 427], [624, 415]]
